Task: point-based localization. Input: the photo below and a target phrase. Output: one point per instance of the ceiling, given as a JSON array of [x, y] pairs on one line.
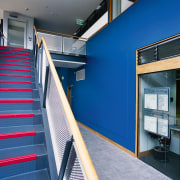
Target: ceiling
[[53, 15]]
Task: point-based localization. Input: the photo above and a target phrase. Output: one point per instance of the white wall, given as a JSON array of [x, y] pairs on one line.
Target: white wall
[[29, 28], [125, 4], [1, 14]]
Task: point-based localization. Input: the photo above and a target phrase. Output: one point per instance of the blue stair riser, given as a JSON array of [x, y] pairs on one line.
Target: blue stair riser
[[15, 67], [12, 78], [33, 175], [18, 63], [38, 138], [7, 122], [15, 58], [20, 106], [16, 72], [38, 149], [19, 168], [18, 85], [19, 94]]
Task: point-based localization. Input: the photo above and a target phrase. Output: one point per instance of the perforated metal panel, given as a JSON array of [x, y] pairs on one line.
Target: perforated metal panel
[[60, 131], [74, 169]]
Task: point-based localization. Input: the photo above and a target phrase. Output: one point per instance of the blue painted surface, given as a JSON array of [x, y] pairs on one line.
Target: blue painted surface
[[105, 101], [69, 77], [68, 57]]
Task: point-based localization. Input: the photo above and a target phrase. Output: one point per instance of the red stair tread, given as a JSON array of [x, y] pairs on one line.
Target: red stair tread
[[16, 100], [22, 82], [15, 75], [12, 60], [14, 56], [18, 159], [9, 49], [17, 134], [2, 116], [15, 65], [15, 89], [4, 52], [7, 69], [15, 48]]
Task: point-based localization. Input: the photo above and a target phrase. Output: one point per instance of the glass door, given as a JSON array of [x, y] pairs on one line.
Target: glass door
[[16, 33]]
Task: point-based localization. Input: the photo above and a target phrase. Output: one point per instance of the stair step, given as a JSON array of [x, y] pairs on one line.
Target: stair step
[[19, 104], [17, 134], [34, 175], [8, 69], [17, 84], [25, 167], [16, 71], [18, 93], [41, 161], [14, 53], [20, 119], [23, 150], [8, 64], [21, 136], [17, 77], [16, 57], [17, 66], [18, 159], [17, 48], [14, 61]]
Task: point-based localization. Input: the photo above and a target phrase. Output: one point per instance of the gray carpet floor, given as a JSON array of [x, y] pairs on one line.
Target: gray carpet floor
[[112, 163]]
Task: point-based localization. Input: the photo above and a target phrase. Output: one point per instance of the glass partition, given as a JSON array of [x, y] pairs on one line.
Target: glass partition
[[159, 125], [64, 45]]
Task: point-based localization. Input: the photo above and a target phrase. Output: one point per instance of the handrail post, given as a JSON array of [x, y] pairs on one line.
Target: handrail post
[[40, 64], [65, 158], [45, 86]]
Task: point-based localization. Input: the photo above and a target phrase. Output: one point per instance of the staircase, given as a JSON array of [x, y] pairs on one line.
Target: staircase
[[23, 152]]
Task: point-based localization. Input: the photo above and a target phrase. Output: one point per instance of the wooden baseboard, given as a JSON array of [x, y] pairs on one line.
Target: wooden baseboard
[[145, 153], [107, 139]]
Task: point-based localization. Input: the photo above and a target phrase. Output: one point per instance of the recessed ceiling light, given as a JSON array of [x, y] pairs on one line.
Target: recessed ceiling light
[[27, 9]]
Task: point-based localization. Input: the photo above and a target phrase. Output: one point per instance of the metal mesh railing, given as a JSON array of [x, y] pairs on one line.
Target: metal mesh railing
[[63, 127]]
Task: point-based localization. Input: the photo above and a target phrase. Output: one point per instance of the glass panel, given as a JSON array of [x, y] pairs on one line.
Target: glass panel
[[54, 42], [16, 31], [159, 130], [119, 6], [74, 46], [146, 56], [116, 5], [169, 49]]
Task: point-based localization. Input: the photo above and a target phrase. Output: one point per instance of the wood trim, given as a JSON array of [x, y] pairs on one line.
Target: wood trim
[[109, 140], [110, 10], [163, 65], [61, 34], [146, 153], [81, 147], [137, 114], [97, 31], [174, 36]]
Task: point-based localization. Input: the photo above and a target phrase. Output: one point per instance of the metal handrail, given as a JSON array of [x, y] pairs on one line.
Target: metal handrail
[[81, 147]]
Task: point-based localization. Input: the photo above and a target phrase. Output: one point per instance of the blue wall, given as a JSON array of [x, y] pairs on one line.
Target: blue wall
[[105, 101], [68, 75]]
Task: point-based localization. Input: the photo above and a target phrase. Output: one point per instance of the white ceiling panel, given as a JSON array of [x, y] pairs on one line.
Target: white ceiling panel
[[53, 15]]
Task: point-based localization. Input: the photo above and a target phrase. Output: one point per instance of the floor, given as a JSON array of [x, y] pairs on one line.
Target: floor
[[112, 163], [170, 168]]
